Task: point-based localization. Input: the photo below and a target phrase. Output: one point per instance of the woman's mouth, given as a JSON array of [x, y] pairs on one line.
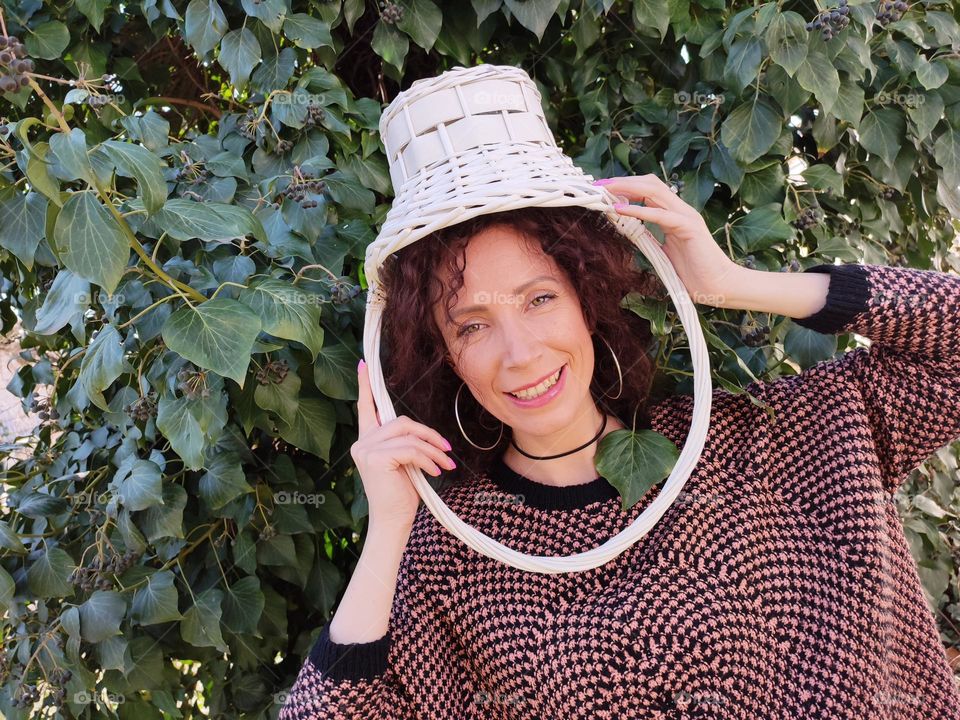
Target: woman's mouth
[[542, 393]]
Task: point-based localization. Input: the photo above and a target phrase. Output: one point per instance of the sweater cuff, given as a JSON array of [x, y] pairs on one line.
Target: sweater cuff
[[847, 296], [350, 661]]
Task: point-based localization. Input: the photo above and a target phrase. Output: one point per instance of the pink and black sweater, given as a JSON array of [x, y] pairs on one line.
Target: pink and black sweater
[[779, 584]]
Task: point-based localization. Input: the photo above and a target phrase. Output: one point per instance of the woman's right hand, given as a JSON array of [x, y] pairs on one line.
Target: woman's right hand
[[381, 450]]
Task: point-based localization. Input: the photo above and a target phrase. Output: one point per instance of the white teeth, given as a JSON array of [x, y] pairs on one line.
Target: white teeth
[[531, 393]]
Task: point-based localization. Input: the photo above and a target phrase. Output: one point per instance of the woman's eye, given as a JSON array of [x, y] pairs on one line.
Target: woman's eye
[[547, 296], [464, 330]]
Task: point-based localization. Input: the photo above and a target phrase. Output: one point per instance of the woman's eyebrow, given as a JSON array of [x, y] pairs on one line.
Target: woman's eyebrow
[[517, 291]]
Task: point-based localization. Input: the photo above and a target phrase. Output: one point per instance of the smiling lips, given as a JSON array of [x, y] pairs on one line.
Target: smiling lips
[[537, 388]]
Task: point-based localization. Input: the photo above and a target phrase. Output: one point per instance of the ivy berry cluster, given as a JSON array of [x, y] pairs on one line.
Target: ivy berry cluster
[[14, 64], [273, 372], [94, 576], [143, 408], [890, 193], [830, 22], [391, 12], [302, 184], [343, 292], [808, 218], [315, 115], [889, 11], [754, 333]]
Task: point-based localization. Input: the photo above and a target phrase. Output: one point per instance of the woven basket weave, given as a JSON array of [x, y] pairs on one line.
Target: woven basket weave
[[473, 141]]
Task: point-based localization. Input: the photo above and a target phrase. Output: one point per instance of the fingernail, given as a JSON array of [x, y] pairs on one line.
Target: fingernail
[[619, 206], [447, 444], [360, 365], [603, 181]]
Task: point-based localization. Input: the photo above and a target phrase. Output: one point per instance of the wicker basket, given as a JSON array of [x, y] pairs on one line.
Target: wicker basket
[[473, 141]]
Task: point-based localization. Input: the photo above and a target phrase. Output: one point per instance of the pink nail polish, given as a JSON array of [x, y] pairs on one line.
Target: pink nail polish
[[619, 206], [447, 444], [360, 365], [603, 181]]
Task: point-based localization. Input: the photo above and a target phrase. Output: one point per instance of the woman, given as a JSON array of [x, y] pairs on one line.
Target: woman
[[779, 585]]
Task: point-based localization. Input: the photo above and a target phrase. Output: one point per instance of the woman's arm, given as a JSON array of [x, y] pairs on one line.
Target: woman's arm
[[909, 377], [394, 652]]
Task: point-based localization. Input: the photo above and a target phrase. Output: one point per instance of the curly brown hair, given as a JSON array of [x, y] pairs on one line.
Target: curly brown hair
[[595, 257]]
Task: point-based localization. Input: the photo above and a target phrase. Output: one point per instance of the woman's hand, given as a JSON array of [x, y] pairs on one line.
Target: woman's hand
[[380, 452], [704, 268]]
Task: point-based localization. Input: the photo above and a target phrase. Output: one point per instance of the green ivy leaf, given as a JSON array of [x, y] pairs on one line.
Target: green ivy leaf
[[216, 335], [166, 520], [156, 602], [808, 347], [22, 217], [239, 54], [224, 481], [47, 40], [49, 575], [760, 228], [65, 302], [751, 129], [390, 44], [306, 31], [220, 222], [94, 10], [287, 311], [70, 156], [90, 241], [204, 25], [201, 623], [335, 372], [422, 21], [7, 591], [634, 462], [101, 615], [243, 605], [881, 132], [787, 40], [312, 427], [137, 162], [140, 485], [743, 63], [102, 364], [281, 398]]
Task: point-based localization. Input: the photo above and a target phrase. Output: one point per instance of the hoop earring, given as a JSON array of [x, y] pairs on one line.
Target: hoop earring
[[619, 373], [456, 412]]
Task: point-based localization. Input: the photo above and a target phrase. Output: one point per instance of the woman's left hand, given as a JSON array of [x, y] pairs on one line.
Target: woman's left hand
[[707, 273]]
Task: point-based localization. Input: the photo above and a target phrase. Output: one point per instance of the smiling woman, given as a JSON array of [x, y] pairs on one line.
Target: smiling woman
[[502, 301]]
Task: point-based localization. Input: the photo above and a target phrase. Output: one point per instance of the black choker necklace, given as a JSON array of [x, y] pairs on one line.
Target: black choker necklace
[[570, 452]]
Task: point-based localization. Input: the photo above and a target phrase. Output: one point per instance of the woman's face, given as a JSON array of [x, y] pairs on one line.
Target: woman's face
[[517, 320]]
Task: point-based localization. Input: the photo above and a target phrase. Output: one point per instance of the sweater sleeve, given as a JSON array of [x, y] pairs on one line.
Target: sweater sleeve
[[418, 663], [908, 379]]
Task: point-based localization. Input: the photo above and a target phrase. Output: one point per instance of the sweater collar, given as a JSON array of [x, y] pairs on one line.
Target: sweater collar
[[550, 497]]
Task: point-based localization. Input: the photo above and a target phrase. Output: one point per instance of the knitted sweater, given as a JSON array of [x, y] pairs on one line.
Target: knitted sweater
[[778, 585]]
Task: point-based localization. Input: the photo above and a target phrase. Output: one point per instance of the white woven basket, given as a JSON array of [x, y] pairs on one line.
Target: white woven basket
[[473, 141]]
